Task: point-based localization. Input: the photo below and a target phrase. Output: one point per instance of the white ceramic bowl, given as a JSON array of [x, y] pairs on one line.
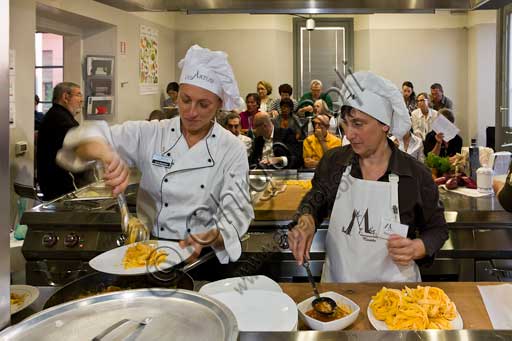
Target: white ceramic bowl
[[338, 324]]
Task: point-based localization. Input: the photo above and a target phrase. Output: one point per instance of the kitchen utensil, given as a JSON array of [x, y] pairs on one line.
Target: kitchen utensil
[[323, 305], [119, 324], [134, 230]]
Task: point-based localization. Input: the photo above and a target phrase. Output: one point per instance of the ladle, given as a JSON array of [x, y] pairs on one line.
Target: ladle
[[322, 305]]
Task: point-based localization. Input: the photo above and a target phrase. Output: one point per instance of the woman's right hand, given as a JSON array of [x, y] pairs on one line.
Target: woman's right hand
[[116, 174], [301, 236]]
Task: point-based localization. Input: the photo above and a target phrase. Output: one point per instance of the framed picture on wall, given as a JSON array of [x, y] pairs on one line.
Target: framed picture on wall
[[100, 86], [100, 105], [100, 66]]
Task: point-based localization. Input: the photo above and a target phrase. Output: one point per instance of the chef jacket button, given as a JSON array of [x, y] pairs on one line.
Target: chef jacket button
[[209, 160], [166, 204], [165, 180], [202, 186], [213, 135], [172, 129], [161, 228], [168, 154]]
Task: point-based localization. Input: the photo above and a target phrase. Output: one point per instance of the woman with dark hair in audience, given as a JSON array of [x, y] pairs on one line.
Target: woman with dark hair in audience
[[172, 90], [287, 119], [409, 96], [264, 90], [252, 101]]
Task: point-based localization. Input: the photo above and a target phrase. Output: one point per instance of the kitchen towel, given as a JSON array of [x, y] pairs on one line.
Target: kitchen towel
[[498, 302]]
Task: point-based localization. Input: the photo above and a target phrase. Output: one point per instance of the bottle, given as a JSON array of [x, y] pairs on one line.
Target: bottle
[[474, 159]]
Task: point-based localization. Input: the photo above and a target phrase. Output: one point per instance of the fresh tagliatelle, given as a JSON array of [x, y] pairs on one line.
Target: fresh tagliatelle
[[414, 309], [143, 254]]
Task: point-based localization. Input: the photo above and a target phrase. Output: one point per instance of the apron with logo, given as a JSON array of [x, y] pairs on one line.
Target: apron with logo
[[362, 218]]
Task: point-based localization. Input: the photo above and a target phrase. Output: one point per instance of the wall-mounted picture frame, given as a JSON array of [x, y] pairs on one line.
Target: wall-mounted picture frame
[[100, 66], [100, 86], [100, 106]]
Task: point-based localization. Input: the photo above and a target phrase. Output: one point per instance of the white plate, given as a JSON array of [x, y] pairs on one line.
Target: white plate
[[260, 310], [111, 262], [30, 295], [381, 325], [258, 282]]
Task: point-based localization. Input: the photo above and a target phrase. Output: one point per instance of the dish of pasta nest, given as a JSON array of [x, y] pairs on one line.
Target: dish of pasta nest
[[424, 307], [143, 254]]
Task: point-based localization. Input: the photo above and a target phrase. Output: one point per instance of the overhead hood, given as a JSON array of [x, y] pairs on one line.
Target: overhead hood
[[303, 6]]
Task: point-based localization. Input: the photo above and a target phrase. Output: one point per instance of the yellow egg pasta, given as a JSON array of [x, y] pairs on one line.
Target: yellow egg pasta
[[414, 309], [142, 254]]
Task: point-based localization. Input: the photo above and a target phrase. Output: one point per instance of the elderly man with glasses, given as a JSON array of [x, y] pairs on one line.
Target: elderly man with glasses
[[53, 180]]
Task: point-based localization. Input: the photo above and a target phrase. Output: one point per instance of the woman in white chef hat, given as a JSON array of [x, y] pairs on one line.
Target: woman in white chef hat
[[385, 214], [193, 182]]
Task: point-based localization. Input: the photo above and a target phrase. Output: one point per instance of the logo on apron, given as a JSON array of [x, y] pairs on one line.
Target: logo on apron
[[369, 233]]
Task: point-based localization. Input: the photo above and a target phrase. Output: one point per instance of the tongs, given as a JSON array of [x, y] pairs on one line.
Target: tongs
[[133, 229]]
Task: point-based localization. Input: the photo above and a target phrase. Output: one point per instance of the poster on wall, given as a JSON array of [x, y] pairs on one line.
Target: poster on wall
[[148, 60]]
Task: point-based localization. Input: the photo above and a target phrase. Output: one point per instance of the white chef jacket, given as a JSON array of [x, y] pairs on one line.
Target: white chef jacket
[[205, 186], [415, 147], [421, 124]]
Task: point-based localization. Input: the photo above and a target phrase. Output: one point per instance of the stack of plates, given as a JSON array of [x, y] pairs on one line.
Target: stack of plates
[[257, 302]]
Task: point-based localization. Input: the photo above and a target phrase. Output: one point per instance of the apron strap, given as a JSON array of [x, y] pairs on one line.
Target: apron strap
[[393, 181]]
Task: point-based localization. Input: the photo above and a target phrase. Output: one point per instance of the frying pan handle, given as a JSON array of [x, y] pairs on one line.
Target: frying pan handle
[[56, 278]]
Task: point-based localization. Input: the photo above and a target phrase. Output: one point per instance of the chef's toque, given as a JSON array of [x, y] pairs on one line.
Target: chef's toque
[[210, 70], [379, 98]]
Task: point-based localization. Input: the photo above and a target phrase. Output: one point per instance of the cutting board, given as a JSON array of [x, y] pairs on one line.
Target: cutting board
[[281, 207]]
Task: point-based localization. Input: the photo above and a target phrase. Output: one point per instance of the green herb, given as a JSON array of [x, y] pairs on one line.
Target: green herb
[[442, 164]]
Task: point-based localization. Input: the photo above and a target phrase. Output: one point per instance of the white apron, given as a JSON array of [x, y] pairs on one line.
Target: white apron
[[354, 251]]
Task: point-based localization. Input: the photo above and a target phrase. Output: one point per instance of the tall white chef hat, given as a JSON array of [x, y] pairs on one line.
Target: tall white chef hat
[[210, 70], [379, 98]]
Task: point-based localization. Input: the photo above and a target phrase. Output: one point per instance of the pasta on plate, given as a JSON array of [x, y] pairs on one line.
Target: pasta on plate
[[143, 254], [414, 309]]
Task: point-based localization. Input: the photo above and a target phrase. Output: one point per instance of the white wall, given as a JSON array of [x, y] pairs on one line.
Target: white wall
[[259, 46]]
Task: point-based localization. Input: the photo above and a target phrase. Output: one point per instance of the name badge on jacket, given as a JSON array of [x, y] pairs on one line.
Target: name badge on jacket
[[162, 161]]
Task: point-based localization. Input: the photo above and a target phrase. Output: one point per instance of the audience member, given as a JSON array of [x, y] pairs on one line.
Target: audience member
[[409, 96], [438, 99], [321, 141], [38, 116], [412, 145], [264, 90], [252, 102], [422, 117], [285, 91], [53, 180], [435, 141], [315, 94], [158, 115], [232, 123], [172, 91], [320, 108], [287, 119], [273, 146]]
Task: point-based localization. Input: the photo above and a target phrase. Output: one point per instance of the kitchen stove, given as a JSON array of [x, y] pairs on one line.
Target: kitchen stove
[[63, 235]]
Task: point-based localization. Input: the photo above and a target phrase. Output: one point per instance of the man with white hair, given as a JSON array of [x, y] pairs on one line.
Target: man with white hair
[[53, 180], [385, 214], [312, 96]]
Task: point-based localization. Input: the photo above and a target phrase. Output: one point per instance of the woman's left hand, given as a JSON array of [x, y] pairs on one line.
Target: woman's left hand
[[404, 250], [200, 240]]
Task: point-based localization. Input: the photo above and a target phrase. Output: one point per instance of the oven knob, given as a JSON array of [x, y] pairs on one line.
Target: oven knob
[[49, 239], [71, 239]]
